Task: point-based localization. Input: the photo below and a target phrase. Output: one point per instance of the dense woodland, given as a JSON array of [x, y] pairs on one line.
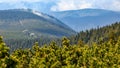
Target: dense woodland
[[95, 48], [98, 35]]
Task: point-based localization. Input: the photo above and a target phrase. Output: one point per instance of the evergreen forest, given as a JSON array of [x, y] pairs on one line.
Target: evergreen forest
[[95, 48]]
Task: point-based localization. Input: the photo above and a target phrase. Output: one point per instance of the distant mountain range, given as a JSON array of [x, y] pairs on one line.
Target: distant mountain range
[[87, 18], [24, 23], [27, 23]]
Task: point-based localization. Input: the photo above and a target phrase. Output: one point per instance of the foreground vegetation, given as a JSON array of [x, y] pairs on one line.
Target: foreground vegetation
[[95, 48], [102, 55]]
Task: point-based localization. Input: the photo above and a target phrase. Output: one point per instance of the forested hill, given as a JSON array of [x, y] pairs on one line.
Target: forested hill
[[102, 55], [22, 27], [28, 23], [100, 34]]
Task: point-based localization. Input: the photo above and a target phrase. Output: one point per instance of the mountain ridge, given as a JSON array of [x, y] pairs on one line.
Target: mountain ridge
[[27, 21], [84, 19]]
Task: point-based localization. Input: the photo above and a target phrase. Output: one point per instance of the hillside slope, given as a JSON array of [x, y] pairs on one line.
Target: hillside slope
[[24, 23]]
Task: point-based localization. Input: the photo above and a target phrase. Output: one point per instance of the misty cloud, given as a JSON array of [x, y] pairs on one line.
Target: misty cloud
[[63, 5], [60, 5]]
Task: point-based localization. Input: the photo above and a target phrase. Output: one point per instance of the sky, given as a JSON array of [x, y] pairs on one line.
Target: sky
[[60, 5]]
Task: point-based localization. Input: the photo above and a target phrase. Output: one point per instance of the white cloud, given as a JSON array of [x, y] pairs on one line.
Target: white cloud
[[110, 4], [13, 1], [63, 5], [71, 4], [114, 5]]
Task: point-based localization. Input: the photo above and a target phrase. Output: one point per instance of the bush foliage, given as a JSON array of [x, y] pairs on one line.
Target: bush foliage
[[102, 55]]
